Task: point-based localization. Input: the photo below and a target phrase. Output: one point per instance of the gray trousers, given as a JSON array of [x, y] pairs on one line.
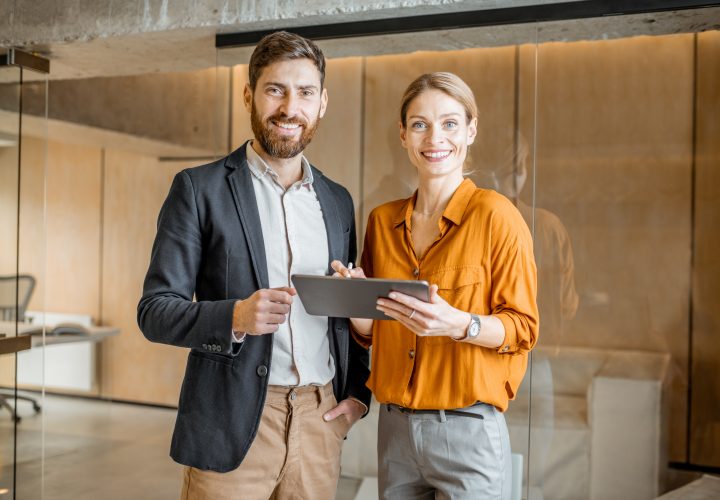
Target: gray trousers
[[444, 456]]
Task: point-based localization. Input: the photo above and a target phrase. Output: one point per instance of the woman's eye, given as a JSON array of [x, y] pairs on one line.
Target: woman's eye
[[451, 124], [418, 125]]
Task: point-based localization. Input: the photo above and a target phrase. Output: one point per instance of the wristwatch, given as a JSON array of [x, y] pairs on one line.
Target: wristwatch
[[473, 329]]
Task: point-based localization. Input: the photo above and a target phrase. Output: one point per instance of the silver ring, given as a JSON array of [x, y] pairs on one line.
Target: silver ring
[[411, 314]]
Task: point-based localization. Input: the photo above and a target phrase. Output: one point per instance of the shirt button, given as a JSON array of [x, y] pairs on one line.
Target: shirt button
[[416, 272], [411, 353], [262, 370]]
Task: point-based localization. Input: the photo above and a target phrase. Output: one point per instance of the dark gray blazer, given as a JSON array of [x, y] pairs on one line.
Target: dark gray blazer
[[209, 243]]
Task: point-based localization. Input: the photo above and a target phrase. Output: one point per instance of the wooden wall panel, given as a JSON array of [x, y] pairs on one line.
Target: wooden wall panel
[[8, 209], [33, 226], [132, 367], [336, 148], [614, 165], [72, 238], [705, 409], [388, 174]]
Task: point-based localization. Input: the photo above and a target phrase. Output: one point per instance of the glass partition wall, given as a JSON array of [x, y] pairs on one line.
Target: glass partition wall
[[603, 133], [608, 146], [23, 90]]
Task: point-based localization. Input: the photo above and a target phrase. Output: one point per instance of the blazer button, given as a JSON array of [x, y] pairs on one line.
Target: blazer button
[[204, 346], [262, 370]]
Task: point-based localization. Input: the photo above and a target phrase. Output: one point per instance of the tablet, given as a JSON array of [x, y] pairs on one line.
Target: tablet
[[352, 298]]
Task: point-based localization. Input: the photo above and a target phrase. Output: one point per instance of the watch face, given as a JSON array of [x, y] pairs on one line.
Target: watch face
[[474, 329]]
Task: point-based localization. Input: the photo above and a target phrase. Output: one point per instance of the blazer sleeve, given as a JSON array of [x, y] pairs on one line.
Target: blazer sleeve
[[358, 356], [167, 313]]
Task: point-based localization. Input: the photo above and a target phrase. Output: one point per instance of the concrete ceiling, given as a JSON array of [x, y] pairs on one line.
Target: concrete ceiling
[[85, 38], [136, 66]]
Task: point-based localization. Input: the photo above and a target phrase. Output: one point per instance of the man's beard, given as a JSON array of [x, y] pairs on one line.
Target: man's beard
[[280, 146]]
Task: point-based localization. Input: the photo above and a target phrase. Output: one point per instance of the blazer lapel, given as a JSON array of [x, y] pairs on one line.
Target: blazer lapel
[[244, 197], [333, 226]]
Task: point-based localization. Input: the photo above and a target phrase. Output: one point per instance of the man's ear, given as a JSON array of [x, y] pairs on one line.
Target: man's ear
[[472, 130], [247, 97], [323, 102], [403, 134]]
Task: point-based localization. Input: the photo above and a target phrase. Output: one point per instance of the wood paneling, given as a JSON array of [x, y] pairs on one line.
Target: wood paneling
[[132, 368], [614, 164], [72, 238], [705, 409], [8, 209]]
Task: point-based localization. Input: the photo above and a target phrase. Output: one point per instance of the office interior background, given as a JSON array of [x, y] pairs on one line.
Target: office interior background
[[604, 130]]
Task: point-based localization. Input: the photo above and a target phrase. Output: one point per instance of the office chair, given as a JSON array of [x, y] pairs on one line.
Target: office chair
[[15, 293]]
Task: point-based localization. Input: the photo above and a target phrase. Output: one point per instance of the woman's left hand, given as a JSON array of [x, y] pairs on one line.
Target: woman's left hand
[[436, 318]]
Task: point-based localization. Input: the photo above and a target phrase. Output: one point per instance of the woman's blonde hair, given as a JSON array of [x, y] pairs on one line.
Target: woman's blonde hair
[[449, 83]]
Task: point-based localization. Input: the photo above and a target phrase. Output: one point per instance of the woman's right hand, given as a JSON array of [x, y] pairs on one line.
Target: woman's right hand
[[344, 272], [361, 325]]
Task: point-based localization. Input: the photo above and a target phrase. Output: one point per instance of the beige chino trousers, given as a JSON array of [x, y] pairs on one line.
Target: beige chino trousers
[[295, 455]]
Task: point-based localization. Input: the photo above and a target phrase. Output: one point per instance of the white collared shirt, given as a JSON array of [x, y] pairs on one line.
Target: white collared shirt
[[295, 243]]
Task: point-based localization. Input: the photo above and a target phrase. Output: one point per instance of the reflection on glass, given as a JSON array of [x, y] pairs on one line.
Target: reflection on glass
[[557, 303], [9, 178]]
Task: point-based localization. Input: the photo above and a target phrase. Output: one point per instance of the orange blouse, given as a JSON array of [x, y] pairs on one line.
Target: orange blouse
[[482, 263]]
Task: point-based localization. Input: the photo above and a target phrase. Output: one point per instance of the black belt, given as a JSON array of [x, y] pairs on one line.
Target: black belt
[[411, 411]]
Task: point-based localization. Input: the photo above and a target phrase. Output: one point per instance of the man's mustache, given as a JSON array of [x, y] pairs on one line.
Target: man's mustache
[[294, 120]]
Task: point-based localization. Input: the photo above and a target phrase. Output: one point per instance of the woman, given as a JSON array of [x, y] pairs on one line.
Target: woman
[[445, 369]]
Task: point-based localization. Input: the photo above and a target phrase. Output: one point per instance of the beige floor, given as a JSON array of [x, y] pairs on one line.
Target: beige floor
[[79, 449]]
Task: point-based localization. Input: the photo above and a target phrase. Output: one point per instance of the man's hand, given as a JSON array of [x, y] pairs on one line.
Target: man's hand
[[263, 312], [351, 408]]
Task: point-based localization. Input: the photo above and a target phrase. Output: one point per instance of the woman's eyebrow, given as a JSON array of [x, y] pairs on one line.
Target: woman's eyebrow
[[441, 116]]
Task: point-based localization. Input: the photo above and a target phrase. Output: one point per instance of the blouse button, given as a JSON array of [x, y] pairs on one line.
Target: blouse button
[[416, 272], [411, 353]]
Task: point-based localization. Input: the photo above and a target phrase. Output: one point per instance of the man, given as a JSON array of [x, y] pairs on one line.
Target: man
[[258, 415]]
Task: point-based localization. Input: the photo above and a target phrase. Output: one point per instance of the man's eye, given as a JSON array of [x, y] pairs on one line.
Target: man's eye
[[273, 91], [307, 93]]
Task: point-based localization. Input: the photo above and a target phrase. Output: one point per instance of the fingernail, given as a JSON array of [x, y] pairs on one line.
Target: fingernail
[[380, 303], [393, 296], [326, 418]]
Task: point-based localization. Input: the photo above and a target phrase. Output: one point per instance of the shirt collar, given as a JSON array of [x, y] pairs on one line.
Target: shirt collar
[[260, 169], [454, 211]]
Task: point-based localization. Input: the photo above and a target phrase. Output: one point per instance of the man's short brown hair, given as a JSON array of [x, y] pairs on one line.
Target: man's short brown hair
[[281, 46]]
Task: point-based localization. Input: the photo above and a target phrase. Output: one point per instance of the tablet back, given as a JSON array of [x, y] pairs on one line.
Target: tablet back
[[351, 298]]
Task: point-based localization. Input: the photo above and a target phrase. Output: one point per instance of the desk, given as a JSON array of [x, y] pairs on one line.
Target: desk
[[93, 334], [9, 345], [65, 362]]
